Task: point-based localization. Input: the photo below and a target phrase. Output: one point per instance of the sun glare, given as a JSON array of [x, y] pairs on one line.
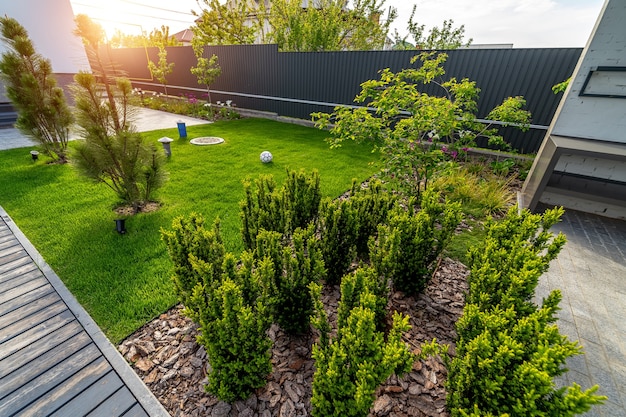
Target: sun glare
[[135, 17]]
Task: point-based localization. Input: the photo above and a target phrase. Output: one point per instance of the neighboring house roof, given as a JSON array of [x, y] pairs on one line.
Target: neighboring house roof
[[185, 36]]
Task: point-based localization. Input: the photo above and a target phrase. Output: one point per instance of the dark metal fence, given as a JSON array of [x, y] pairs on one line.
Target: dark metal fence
[[295, 84]]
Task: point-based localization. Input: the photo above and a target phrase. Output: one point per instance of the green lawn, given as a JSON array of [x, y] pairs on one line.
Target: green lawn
[[124, 280]]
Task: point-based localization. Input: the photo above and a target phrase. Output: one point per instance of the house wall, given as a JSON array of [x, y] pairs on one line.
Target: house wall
[[582, 161], [49, 24]]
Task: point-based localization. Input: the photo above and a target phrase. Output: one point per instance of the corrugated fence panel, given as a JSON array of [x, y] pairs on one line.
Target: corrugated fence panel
[[295, 84]]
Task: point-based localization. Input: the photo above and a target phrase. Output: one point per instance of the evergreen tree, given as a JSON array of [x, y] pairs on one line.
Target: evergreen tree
[[43, 114]]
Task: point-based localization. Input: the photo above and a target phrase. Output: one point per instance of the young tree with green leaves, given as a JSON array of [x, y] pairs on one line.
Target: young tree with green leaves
[[112, 151], [446, 37], [413, 130], [43, 114], [161, 70], [207, 70], [225, 23], [329, 25], [154, 38]]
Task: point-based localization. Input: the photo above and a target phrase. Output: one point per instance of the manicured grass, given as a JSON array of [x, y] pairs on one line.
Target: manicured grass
[[124, 280]]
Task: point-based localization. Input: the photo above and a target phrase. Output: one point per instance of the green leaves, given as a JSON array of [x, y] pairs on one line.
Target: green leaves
[[349, 368], [508, 348], [43, 113], [409, 244], [413, 130]]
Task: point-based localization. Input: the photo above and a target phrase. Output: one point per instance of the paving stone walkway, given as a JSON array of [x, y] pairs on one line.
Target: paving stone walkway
[[591, 273], [146, 120]]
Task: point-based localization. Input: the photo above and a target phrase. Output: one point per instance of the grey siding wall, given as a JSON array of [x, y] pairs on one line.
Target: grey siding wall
[[296, 84]]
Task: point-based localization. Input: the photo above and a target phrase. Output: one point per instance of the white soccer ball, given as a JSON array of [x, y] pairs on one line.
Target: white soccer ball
[[266, 157]]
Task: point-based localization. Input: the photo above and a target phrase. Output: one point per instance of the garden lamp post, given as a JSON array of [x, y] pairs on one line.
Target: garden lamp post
[[166, 145]]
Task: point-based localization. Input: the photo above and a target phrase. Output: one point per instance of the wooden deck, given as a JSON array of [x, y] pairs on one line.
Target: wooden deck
[[54, 361]]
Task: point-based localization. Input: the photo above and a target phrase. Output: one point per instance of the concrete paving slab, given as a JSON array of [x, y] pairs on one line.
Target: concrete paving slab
[[590, 271], [145, 121]]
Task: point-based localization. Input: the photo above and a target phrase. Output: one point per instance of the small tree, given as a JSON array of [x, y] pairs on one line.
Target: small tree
[[43, 114], [207, 70], [222, 24], [163, 68], [112, 152], [446, 37], [329, 25], [412, 129]]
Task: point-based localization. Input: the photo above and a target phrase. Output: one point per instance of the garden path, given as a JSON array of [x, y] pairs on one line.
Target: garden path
[[146, 120]]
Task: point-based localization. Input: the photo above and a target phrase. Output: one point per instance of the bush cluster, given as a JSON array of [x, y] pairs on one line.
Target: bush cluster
[[509, 349], [294, 241]]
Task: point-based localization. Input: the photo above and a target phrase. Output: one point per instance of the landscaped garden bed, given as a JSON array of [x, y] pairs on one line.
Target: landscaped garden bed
[[167, 357]]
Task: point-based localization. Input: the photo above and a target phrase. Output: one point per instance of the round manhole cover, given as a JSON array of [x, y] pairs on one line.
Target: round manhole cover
[[206, 140]]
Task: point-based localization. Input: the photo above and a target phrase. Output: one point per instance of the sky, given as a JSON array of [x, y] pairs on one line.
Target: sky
[[523, 23]]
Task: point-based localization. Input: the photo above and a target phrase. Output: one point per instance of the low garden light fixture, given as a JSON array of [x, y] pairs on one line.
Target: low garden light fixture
[[34, 155], [120, 226], [165, 141]]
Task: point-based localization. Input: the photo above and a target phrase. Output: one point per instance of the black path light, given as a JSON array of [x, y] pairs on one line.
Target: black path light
[[165, 141], [120, 226], [34, 155]]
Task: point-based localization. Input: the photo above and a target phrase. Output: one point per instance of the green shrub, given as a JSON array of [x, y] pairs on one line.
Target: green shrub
[[371, 205], [295, 265], [237, 346], [301, 195], [261, 209], [362, 280], [509, 349], [338, 226], [349, 368], [281, 210], [409, 245], [189, 240]]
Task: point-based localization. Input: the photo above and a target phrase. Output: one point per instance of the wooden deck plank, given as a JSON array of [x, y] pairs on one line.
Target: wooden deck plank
[[40, 347], [61, 394], [14, 263], [94, 395], [26, 288], [19, 280], [33, 335], [31, 370], [27, 298], [53, 357], [38, 387], [32, 322], [136, 411], [115, 405], [15, 256], [15, 272], [8, 242], [28, 310], [12, 252]]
